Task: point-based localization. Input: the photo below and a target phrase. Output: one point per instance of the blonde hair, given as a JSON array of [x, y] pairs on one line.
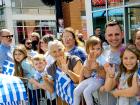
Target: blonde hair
[[35, 34], [54, 43], [92, 41], [38, 57]]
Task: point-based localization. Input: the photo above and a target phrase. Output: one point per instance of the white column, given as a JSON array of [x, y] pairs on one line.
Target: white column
[[89, 22], [8, 17]]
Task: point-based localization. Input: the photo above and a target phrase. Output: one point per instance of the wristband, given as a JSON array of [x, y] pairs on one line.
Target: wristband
[[111, 76]]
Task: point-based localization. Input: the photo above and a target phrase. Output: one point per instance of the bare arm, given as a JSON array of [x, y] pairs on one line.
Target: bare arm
[[46, 85], [81, 75], [35, 83], [128, 92], [110, 81], [75, 74]]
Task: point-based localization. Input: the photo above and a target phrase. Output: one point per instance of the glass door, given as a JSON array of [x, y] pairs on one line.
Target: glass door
[[133, 20]]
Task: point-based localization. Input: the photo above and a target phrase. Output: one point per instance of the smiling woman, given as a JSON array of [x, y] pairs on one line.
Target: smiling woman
[[66, 67]]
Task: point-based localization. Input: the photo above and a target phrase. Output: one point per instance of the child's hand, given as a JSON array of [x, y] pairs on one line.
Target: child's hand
[[86, 71], [31, 80], [115, 93], [109, 69], [91, 56], [102, 89], [34, 82], [45, 78]]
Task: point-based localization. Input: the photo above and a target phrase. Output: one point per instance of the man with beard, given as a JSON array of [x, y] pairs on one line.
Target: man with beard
[[35, 37], [28, 45], [5, 46]]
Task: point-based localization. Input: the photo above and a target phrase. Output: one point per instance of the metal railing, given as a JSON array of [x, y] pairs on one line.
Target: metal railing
[[97, 99]]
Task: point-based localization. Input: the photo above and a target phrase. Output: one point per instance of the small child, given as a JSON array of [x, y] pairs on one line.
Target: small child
[[40, 79], [92, 75]]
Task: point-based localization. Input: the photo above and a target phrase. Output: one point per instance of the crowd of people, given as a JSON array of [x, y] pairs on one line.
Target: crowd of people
[[112, 70]]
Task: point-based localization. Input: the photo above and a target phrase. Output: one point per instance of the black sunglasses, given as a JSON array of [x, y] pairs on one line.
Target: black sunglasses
[[28, 43], [8, 36]]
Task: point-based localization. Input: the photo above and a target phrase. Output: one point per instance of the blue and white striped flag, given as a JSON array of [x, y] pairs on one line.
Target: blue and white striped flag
[[139, 73], [8, 68], [138, 70], [64, 87], [12, 90]]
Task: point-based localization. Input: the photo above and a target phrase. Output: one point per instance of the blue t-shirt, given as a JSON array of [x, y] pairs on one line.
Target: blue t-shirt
[[78, 51], [5, 54], [28, 71]]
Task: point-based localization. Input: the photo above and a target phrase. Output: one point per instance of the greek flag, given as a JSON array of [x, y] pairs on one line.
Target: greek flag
[[64, 87], [8, 68], [12, 90], [139, 74]]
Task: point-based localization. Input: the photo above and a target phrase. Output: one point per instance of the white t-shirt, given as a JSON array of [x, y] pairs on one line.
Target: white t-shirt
[[49, 59]]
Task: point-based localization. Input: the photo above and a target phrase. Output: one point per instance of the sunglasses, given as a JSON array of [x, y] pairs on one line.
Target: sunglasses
[[28, 43], [8, 36]]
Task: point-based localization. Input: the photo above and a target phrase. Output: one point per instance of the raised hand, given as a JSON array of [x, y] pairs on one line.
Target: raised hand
[[64, 64], [91, 60], [110, 69]]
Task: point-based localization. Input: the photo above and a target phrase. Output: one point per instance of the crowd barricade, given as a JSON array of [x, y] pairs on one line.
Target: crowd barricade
[[43, 100]]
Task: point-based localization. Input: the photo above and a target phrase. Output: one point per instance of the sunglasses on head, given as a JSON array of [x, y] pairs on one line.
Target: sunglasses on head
[[8, 36]]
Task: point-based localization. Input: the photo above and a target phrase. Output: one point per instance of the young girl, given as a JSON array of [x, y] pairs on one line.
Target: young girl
[[23, 68], [126, 78], [92, 75], [137, 44]]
